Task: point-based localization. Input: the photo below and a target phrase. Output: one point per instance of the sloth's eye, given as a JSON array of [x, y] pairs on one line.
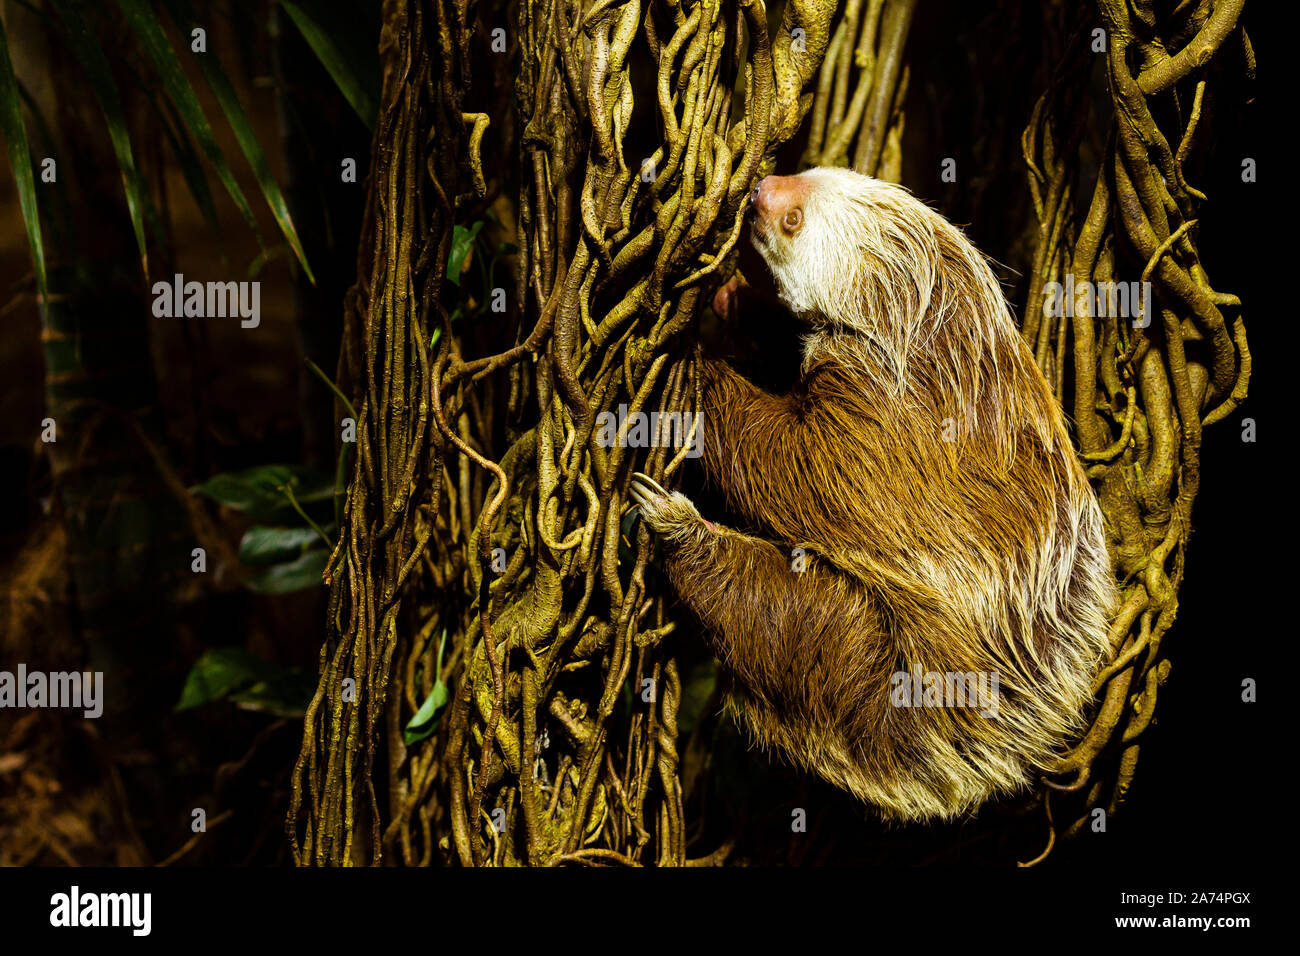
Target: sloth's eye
[[792, 220]]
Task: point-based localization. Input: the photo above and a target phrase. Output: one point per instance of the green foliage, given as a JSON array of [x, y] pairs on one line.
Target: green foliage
[[149, 31], [425, 721], [462, 241], [294, 555], [85, 47], [264, 545], [248, 681], [470, 246], [329, 28], [257, 491], [298, 574], [286, 694], [354, 69], [15, 133], [224, 91], [217, 673]]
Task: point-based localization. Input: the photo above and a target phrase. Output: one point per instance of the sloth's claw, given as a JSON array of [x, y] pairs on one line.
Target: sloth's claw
[[646, 492], [640, 478], [668, 513]]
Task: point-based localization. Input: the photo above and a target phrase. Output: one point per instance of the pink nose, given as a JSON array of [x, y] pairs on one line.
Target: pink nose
[[774, 196]]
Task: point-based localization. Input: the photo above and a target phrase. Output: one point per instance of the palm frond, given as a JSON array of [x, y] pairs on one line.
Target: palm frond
[[358, 81], [20, 158]]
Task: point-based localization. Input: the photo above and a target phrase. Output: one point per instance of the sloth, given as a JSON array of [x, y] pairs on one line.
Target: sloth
[[919, 516]]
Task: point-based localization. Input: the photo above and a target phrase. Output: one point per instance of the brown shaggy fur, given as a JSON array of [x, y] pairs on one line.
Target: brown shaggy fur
[[924, 468]]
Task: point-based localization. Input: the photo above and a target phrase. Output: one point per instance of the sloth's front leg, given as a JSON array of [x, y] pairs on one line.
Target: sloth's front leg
[[757, 608]]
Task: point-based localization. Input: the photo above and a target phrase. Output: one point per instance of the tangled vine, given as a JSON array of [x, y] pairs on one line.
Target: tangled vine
[[1139, 391]]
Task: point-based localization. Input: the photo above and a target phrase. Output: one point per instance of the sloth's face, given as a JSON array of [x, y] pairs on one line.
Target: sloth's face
[[776, 216], [808, 229]]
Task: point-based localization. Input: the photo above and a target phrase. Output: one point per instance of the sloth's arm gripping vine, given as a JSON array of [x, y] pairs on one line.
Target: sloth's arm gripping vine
[[781, 648], [713, 569]]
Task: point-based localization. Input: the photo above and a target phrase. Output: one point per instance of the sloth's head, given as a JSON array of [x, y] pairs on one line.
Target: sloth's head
[[853, 254], [890, 287]]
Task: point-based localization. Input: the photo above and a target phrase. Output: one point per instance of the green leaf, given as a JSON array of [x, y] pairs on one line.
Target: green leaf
[[20, 159], [298, 575], [265, 258], [425, 720], [58, 225], [248, 681], [627, 544], [462, 241], [222, 89], [147, 27], [287, 694], [186, 157], [220, 671], [423, 723], [264, 545], [358, 85], [256, 491], [86, 48]]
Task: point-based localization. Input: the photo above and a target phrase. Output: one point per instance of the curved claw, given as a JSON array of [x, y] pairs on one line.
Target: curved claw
[[666, 512], [639, 479]]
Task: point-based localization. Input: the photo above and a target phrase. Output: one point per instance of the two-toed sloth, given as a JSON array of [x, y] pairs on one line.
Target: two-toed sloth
[[923, 468]]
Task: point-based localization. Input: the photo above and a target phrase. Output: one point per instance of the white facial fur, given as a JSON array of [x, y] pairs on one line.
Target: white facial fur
[[872, 260], [815, 268]]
